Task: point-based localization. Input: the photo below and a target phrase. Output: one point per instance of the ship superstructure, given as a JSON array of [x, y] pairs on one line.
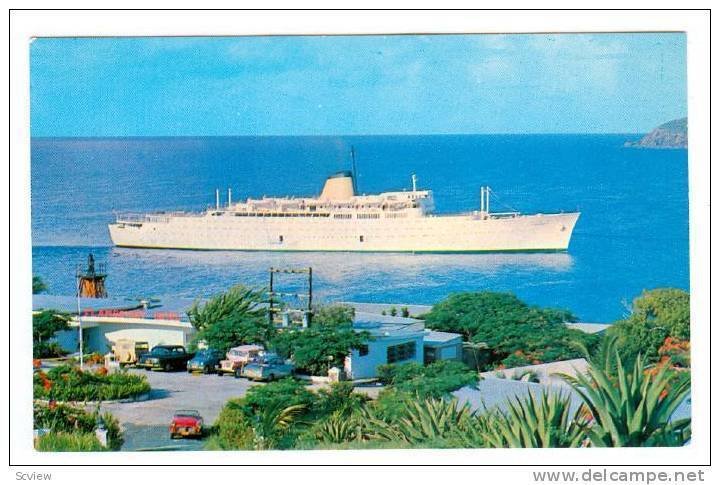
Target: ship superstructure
[[341, 220]]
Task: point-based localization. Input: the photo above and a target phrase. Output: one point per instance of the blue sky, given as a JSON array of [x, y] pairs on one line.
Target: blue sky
[[353, 85]]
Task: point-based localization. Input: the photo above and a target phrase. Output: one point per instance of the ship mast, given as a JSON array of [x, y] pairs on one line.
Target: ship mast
[[354, 169], [485, 200]]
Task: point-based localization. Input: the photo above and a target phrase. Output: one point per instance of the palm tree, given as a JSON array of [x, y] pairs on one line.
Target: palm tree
[[271, 422], [631, 405], [531, 422], [38, 285], [235, 303]]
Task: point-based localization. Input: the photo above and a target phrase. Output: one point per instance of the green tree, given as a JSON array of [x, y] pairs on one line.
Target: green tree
[[324, 344], [233, 318], [656, 315], [45, 324], [38, 285], [333, 315], [316, 349], [515, 331], [237, 330]]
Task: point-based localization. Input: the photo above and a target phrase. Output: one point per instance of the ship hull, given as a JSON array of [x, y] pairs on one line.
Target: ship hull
[[428, 234]]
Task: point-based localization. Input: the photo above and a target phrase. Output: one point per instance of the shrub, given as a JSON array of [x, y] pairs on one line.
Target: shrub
[[70, 423], [67, 383], [268, 417], [676, 352], [284, 391], [436, 379], [656, 315], [47, 350], [233, 428], [339, 399]]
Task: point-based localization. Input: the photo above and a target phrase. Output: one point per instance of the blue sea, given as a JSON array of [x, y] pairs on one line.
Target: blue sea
[[632, 234]]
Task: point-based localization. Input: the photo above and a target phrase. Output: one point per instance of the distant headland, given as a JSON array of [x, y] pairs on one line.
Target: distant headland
[[672, 134]]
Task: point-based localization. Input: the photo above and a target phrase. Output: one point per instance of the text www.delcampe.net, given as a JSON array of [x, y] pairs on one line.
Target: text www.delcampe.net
[[605, 475]]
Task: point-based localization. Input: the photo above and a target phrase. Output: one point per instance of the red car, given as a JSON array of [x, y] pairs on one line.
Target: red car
[[186, 423]]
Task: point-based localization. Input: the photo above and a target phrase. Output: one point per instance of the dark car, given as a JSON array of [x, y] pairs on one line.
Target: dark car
[[205, 361], [165, 357]]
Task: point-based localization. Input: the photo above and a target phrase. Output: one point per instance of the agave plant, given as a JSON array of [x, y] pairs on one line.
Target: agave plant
[[339, 428], [631, 406], [531, 422], [430, 420]]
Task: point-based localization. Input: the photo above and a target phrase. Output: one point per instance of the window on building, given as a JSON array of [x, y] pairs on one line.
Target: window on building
[[281, 238], [398, 353], [363, 350], [362, 238], [430, 355]]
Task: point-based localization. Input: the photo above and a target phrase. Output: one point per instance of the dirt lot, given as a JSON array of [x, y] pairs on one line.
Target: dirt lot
[[145, 423]]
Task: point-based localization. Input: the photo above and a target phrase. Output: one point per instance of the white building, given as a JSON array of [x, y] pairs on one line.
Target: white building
[[106, 320], [398, 340]]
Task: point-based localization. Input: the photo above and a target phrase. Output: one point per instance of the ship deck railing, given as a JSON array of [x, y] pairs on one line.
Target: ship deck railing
[[135, 218]]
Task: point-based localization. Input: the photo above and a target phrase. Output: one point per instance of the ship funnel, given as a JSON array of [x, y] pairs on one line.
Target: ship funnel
[[338, 187]]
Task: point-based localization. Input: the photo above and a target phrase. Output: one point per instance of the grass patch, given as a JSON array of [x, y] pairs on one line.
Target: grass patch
[[69, 442]]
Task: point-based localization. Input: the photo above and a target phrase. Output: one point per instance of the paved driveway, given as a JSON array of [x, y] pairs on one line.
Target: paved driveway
[[145, 423]]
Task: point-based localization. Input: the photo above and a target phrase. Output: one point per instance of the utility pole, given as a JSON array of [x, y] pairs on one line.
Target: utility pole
[[80, 329]]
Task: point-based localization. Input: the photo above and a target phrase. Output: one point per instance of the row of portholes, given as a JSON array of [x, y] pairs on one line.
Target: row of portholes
[[281, 238]]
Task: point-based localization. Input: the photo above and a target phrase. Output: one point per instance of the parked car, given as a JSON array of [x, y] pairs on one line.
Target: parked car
[[186, 423], [205, 361], [165, 357], [268, 367], [237, 358], [128, 351]]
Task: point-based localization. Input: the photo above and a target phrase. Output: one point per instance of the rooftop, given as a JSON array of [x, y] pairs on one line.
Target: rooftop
[[385, 326], [589, 327], [545, 373], [434, 337]]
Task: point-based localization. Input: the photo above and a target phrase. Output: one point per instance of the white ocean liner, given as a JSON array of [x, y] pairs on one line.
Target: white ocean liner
[[340, 220]]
